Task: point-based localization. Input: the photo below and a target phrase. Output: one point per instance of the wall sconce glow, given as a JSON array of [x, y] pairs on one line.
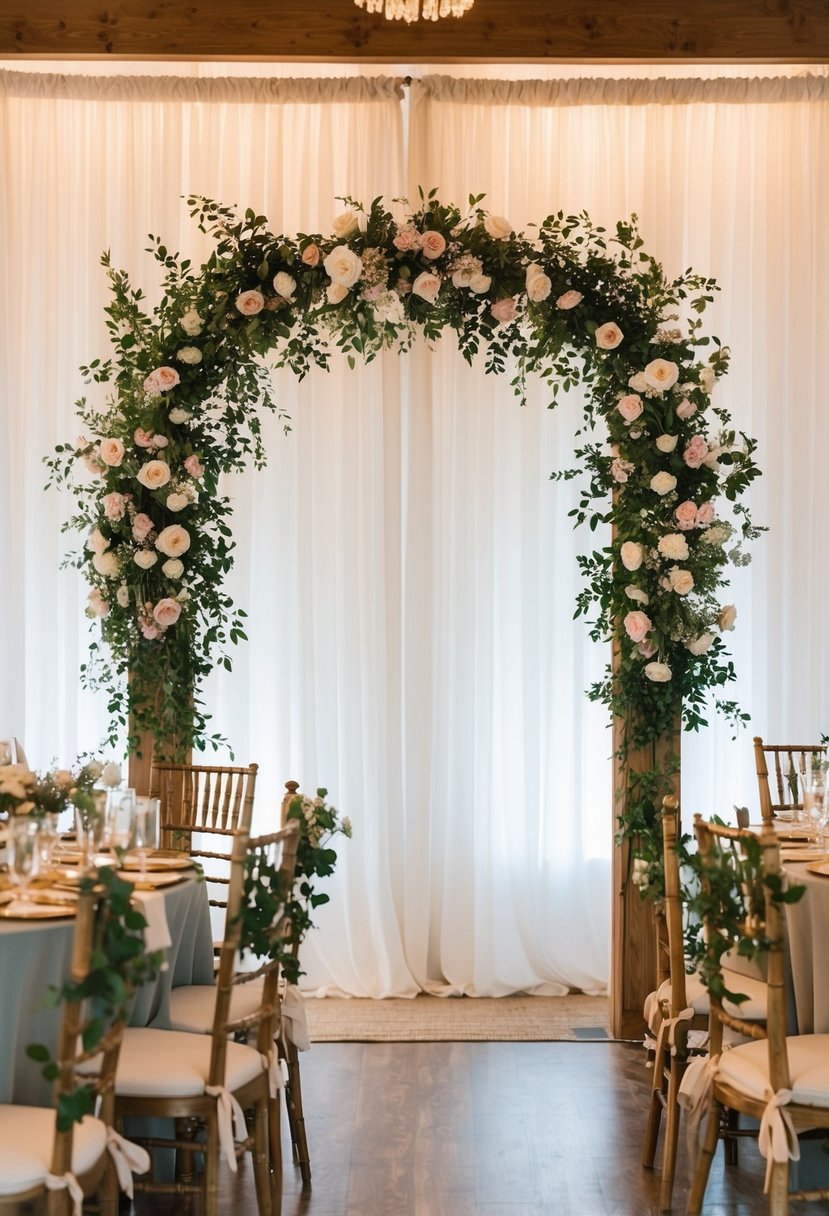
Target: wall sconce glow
[[413, 10]]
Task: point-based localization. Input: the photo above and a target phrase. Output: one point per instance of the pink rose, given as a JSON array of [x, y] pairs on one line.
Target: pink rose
[[194, 466], [161, 380], [686, 409], [311, 255], [249, 303], [112, 452], [142, 526], [154, 474], [98, 604], [608, 336], [150, 630], [637, 624], [686, 515], [143, 439], [706, 515], [114, 506], [432, 244], [620, 470], [504, 310], [661, 374], [166, 613], [630, 407], [406, 238], [680, 581], [426, 286], [569, 300], [695, 452], [647, 648]]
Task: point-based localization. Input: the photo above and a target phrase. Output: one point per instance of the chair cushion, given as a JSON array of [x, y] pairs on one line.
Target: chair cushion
[[173, 1064], [696, 994], [747, 1068], [191, 1007], [26, 1137]]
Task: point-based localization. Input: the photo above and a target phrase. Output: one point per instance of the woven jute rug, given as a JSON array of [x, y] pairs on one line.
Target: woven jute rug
[[458, 1019]]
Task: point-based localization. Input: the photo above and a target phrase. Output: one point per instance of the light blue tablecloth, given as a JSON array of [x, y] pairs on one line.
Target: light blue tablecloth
[[35, 954]]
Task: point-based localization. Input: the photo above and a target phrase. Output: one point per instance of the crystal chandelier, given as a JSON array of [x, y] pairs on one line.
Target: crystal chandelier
[[411, 10]]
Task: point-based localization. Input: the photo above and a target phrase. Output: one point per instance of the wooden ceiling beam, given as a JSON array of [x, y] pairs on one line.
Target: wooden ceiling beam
[[494, 30]]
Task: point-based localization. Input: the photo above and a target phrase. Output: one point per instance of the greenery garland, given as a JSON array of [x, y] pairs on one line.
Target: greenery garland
[[567, 302]]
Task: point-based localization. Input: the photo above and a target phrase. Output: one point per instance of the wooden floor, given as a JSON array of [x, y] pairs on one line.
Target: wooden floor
[[483, 1129]]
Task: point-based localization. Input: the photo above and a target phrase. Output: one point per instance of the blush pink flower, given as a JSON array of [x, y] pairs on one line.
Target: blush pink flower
[[706, 514], [112, 452], [161, 380], [647, 648], [249, 303], [142, 526], [114, 505], [695, 452], [686, 409], [143, 439], [311, 255], [608, 336], [569, 299], [630, 407], [150, 630], [432, 244], [194, 466], [637, 625], [504, 310], [620, 470], [166, 613], [686, 515]]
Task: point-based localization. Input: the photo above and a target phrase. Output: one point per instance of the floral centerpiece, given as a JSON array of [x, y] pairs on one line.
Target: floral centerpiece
[[23, 792], [566, 301]]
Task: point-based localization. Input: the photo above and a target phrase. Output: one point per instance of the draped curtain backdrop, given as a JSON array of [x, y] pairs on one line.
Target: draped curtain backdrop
[[408, 566]]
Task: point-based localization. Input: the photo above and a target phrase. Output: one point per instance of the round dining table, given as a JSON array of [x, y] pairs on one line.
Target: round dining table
[[807, 930], [36, 954]]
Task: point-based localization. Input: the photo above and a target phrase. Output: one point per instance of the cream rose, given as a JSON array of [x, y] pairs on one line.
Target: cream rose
[[114, 505], [249, 303], [98, 604], [284, 285], [632, 555], [189, 354], [106, 564], [661, 374], [666, 443], [498, 227], [681, 581], [569, 300], [311, 255], [630, 407], [177, 415], [464, 275], [701, 644], [662, 483], [638, 595], [608, 336], [111, 775], [191, 323], [726, 618], [166, 613], [345, 225], [343, 266], [673, 546], [427, 286], [707, 378], [173, 568], [637, 624], [432, 244], [660, 673], [177, 502], [538, 283], [686, 409], [173, 541], [112, 452], [145, 558], [480, 284], [638, 383], [122, 595], [335, 293], [97, 542], [154, 474]]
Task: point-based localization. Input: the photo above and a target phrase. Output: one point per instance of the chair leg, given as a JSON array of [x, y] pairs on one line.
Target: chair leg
[[731, 1122], [656, 1103], [109, 1191], [296, 1116], [212, 1155], [261, 1153], [706, 1156], [779, 1189], [669, 1145], [275, 1152]]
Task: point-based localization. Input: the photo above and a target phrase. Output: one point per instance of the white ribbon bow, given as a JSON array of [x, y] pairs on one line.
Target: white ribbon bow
[[67, 1181], [272, 1066], [778, 1140], [295, 1022], [687, 1015], [128, 1158], [694, 1094], [230, 1117]]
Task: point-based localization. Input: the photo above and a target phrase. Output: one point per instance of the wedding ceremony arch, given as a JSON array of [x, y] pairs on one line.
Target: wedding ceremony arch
[[569, 303]]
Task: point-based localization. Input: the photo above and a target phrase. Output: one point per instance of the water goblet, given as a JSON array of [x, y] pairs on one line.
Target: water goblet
[[144, 829], [814, 800], [121, 818], [22, 852]]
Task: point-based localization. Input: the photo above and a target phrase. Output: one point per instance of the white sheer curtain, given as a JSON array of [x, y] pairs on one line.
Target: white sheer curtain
[[408, 566]]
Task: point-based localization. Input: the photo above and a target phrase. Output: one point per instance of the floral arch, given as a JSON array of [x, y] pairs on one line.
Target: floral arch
[[568, 302]]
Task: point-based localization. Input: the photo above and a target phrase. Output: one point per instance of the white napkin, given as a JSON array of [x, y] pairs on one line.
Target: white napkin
[[294, 1019], [157, 932]]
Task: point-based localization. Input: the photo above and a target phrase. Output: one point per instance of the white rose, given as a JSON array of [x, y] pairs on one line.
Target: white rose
[[727, 617], [663, 483], [173, 568], [426, 286], [343, 266], [480, 284], [707, 378], [191, 323], [122, 595], [681, 581], [638, 595], [177, 415], [189, 354], [145, 558], [154, 474], [660, 673], [498, 227], [539, 286], [661, 374], [632, 555], [177, 502], [717, 535], [97, 542], [464, 276], [106, 564], [674, 546], [701, 644], [345, 225], [111, 774], [173, 540], [335, 293], [284, 285], [666, 443], [638, 383]]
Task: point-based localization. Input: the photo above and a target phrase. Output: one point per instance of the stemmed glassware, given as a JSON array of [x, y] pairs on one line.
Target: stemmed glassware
[[143, 831], [815, 808], [22, 852], [121, 812]]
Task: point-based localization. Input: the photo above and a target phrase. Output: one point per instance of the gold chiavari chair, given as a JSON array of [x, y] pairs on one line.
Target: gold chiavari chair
[[787, 761]]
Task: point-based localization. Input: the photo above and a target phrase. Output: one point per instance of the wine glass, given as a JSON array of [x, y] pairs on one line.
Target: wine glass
[[22, 852], [143, 831], [814, 800], [121, 818]]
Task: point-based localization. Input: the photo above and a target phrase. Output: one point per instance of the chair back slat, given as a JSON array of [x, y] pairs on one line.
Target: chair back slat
[[673, 903], [788, 760]]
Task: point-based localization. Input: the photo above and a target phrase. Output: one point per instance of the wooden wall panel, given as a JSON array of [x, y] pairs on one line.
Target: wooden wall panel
[[782, 30]]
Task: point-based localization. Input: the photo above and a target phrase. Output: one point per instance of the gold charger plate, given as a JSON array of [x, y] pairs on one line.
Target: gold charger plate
[[819, 867], [803, 855], [160, 861], [17, 910], [152, 879]]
